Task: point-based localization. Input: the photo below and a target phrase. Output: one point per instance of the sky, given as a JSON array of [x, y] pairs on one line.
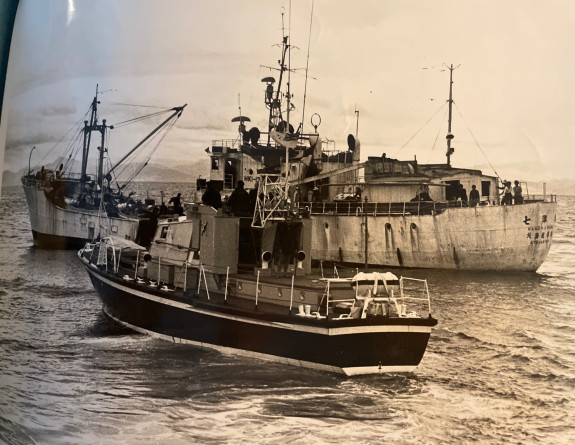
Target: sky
[[513, 86]]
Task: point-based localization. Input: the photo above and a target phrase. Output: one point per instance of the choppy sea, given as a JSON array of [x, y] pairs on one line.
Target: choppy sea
[[499, 368]]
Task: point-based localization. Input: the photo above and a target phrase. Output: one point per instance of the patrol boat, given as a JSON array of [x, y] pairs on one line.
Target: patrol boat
[[383, 211], [68, 206], [245, 285]]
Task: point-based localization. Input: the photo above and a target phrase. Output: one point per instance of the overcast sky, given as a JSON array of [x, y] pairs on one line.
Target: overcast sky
[[513, 88]]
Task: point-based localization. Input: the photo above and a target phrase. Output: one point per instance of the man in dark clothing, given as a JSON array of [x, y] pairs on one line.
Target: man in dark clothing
[[517, 193], [239, 201], [473, 196], [177, 201], [211, 197], [462, 193]]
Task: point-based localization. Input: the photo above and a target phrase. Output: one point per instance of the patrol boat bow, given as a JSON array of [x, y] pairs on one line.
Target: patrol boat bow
[[196, 285]]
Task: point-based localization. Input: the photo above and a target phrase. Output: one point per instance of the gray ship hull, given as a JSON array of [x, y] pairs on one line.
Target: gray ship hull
[[55, 227], [501, 238]]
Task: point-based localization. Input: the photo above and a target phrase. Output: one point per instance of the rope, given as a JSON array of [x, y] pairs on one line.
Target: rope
[[417, 132], [436, 137], [306, 69], [477, 143], [158, 138], [136, 105], [76, 124], [136, 119]]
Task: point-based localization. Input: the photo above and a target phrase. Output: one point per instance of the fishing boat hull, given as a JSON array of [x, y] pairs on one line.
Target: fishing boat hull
[[56, 227], [351, 347], [499, 238]]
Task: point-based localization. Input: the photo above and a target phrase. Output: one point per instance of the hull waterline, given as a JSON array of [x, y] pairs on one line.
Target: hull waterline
[[348, 347]]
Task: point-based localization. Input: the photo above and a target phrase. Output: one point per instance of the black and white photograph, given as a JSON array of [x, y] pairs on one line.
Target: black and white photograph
[[304, 221]]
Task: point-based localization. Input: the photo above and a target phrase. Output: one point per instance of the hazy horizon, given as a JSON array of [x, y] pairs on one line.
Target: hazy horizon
[[512, 86]]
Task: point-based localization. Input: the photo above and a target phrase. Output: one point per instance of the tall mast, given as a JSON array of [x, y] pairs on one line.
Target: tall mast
[[102, 148], [88, 128], [288, 101], [450, 136]]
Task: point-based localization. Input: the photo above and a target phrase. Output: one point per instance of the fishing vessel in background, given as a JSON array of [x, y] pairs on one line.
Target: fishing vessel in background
[[69, 206], [383, 211]]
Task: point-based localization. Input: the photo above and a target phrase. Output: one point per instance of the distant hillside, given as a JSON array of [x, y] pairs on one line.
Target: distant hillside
[[176, 172], [172, 171], [180, 172]]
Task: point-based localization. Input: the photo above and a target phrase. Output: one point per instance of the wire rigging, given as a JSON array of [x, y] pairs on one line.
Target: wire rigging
[[139, 159], [70, 130], [437, 135], [476, 142], [418, 131], [306, 69], [136, 105], [140, 118]]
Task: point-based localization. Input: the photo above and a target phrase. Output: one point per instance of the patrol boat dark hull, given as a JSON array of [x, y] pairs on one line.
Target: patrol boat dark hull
[[351, 347], [199, 295]]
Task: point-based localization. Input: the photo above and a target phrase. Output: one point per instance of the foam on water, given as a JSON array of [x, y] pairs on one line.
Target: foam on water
[[500, 366]]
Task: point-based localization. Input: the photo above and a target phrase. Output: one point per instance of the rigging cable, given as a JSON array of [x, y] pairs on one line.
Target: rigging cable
[[140, 118], [60, 140], [137, 169], [136, 105], [306, 69], [417, 132], [476, 142], [436, 137]]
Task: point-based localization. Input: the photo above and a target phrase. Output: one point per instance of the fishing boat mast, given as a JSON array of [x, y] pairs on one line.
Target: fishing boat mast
[[89, 127]]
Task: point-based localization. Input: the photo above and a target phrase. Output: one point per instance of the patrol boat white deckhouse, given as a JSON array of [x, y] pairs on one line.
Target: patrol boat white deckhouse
[[198, 284]]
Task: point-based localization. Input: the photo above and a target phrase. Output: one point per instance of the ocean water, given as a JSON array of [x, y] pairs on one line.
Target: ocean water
[[499, 368]]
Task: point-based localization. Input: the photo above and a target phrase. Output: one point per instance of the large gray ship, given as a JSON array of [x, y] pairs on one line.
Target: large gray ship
[[382, 211]]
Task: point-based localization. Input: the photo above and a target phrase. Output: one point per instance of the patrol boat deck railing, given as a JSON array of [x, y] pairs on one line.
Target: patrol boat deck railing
[[328, 298]]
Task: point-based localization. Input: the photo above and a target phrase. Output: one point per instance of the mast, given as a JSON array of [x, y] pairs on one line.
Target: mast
[[273, 98], [450, 136], [288, 101], [88, 128], [102, 148]]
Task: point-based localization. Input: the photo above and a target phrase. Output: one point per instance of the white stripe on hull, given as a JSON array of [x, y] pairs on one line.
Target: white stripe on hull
[[354, 371]]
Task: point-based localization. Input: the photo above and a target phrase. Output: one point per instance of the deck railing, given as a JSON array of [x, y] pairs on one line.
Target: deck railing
[[358, 208], [112, 261]]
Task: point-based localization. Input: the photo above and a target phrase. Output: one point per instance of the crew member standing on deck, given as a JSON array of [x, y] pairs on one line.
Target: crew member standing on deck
[[473, 196], [177, 200], [239, 201], [517, 193], [212, 197]]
